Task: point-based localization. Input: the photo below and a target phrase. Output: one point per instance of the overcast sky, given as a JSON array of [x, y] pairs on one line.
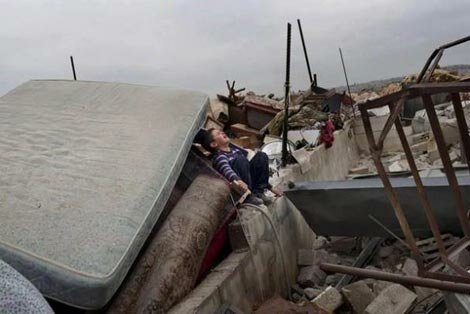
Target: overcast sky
[[199, 44]]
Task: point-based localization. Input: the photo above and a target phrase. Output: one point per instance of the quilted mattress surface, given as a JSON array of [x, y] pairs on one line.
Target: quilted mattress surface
[[85, 170]]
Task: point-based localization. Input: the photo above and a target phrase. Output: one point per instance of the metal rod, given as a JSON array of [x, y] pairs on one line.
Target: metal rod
[[432, 221], [420, 188], [428, 75], [402, 279], [305, 52], [449, 170], [286, 100], [389, 191], [395, 110], [346, 77], [73, 68], [454, 250], [434, 54], [389, 231], [364, 257]]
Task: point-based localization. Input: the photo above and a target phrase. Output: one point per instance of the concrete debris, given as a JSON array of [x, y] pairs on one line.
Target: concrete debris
[[311, 276], [380, 285], [419, 148], [296, 297], [297, 289], [332, 280], [359, 170], [395, 299], [359, 295], [312, 293], [343, 244], [278, 305], [320, 242], [306, 257], [399, 166], [329, 300]]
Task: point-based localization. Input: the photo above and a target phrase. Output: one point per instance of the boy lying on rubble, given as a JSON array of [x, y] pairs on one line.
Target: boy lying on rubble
[[232, 162]]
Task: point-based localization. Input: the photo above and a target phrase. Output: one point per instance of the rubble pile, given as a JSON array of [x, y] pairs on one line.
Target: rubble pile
[[335, 293], [439, 75], [256, 121], [421, 141]]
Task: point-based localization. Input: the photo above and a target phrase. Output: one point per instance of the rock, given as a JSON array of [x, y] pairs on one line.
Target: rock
[[311, 276], [358, 295], [418, 138], [320, 242], [410, 267], [343, 244], [395, 167], [433, 152], [296, 297], [379, 285], [312, 293], [399, 166], [329, 300], [462, 259], [306, 257], [450, 131], [395, 299], [297, 289], [279, 305], [453, 156], [419, 148], [385, 251], [332, 280]]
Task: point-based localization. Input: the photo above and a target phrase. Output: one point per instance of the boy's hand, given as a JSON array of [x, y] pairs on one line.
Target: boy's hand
[[241, 185], [276, 191]]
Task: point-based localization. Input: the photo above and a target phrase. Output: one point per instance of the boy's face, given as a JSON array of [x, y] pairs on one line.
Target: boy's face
[[219, 138]]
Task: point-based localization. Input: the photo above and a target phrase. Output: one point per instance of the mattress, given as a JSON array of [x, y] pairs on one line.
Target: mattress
[[86, 169]]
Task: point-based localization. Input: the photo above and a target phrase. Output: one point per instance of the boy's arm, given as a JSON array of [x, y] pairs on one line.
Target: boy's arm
[[222, 165]]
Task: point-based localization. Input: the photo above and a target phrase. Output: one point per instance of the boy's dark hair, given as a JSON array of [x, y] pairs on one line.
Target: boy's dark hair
[[206, 139]]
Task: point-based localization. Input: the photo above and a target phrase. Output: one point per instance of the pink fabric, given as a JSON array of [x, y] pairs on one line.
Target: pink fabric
[[326, 134]]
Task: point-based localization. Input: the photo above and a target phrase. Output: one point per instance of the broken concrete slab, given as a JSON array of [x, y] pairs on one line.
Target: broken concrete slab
[[359, 170], [280, 305], [347, 216], [319, 243], [433, 152], [311, 276], [308, 257], [358, 295], [311, 136], [380, 285], [343, 244], [394, 299], [399, 166], [329, 300], [419, 148]]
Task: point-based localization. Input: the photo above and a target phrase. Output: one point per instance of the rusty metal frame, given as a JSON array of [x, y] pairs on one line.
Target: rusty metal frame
[[428, 276]]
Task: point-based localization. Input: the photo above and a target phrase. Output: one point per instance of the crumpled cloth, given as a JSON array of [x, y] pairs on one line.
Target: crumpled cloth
[[326, 134], [18, 295]]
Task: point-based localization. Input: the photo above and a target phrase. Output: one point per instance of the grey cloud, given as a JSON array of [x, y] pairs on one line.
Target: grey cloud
[[200, 44]]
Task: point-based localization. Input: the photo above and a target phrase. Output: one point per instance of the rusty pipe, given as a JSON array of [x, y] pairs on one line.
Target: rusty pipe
[[401, 279]]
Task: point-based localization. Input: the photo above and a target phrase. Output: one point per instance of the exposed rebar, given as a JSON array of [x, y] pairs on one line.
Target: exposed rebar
[[73, 68], [286, 100]]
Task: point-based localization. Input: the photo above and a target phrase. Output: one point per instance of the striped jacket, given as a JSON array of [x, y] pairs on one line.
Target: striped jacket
[[222, 161]]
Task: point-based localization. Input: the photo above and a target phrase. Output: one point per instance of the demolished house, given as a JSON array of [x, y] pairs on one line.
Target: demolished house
[[110, 204]]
